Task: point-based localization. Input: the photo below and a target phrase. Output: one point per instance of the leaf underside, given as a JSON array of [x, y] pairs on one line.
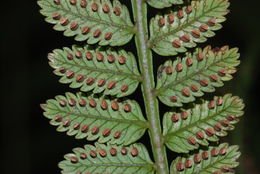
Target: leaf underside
[[97, 21], [108, 159], [91, 117], [217, 159], [163, 3], [185, 131], [184, 79], [175, 32], [101, 70]]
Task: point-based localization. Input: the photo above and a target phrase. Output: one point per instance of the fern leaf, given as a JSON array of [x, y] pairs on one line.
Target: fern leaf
[[216, 160], [186, 130], [163, 3], [117, 122], [184, 79], [93, 20], [101, 70], [108, 159], [173, 33]]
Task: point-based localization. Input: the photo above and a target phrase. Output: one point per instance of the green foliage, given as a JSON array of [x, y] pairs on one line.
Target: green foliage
[[92, 20], [117, 122], [186, 130], [106, 75], [182, 80], [215, 160], [173, 33], [108, 159], [101, 70]]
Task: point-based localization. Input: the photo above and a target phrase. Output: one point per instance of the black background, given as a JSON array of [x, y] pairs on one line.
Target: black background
[[30, 145]]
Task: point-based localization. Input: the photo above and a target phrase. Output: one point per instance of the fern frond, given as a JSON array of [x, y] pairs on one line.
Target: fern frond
[[186, 130], [163, 3], [216, 160], [114, 121], [101, 70], [184, 79], [108, 159], [97, 21], [173, 33]]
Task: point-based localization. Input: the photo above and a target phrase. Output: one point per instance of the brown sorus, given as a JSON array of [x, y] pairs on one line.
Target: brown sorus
[[83, 3], [84, 128], [64, 21], [92, 103], [111, 58], [63, 103], [188, 163], [180, 14], [62, 70], [225, 123], [200, 135], [95, 130], [101, 82], [94, 7], [108, 35], [134, 152], [161, 22], [127, 108], [113, 151], [188, 9], [74, 26], [184, 115], [173, 99], [195, 33], [203, 28], [169, 70], [214, 152], [76, 126], [85, 30], [222, 72], [82, 102], [176, 43], [223, 151], [204, 82], [102, 152], [83, 156], [179, 67], [180, 166], [78, 54], [70, 74], [57, 2], [73, 2], [175, 117], [192, 141], [197, 159], [103, 104], [211, 104], [72, 102], [170, 18], [111, 85], [114, 105], [225, 169], [106, 8], [93, 154], [231, 117], [56, 16], [217, 172], [200, 56], [90, 81], [97, 33], [210, 131], [205, 155], [185, 92], [79, 78], [185, 38], [89, 55], [124, 88], [117, 134], [58, 118], [106, 132], [218, 127], [194, 88], [66, 123], [99, 57], [74, 159], [122, 60], [117, 11], [213, 78], [211, 22], [124, 151], [219, 101]]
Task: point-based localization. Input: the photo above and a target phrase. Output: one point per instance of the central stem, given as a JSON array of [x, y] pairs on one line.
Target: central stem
[[151, 102]]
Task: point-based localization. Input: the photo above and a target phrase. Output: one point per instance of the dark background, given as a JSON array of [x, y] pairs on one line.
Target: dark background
[[30, 145]]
